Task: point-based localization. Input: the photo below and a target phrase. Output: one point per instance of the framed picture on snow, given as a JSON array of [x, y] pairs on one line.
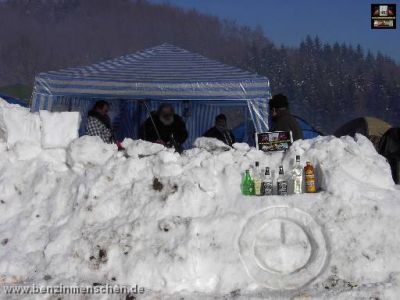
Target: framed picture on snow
[[274, 140]]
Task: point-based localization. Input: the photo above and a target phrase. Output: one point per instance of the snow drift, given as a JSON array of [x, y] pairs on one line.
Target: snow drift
[[79, 212]]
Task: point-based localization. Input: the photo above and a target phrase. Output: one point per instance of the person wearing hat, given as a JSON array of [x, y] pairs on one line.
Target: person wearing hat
[[221, 131], [282, 119]]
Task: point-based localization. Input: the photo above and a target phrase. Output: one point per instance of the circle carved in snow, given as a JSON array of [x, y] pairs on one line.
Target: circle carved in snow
[[283, 248]]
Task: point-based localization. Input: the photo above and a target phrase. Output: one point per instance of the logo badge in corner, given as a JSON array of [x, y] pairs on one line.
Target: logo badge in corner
[[383, 16]]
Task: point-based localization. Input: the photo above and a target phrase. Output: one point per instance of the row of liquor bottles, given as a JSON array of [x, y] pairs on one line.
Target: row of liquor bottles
[[301, 179]]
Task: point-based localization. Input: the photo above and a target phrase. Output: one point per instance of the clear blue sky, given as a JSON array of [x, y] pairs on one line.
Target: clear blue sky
[[289, 21]]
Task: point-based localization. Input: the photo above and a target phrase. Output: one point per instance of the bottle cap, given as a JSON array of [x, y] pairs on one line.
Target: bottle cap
[[267, 171], [257, 163], [297, 158], [280, 169]]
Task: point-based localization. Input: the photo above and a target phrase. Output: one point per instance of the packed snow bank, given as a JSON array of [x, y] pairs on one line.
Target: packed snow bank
[[18, 124], [354, 159], [50, 130], [89, 151], [59, 128], [141, 148], [210, 144], [178, 225]]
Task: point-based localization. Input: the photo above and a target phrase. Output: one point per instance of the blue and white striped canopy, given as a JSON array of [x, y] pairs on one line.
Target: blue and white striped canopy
[[162, 73]]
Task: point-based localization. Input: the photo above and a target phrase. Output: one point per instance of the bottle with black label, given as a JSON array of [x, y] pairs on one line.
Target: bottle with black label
[[267, 184], [282, 184]]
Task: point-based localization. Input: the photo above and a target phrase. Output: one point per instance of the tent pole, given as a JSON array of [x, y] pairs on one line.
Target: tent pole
[[151, 118]]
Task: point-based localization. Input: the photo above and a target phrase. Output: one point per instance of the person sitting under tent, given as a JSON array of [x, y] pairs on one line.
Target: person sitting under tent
[[164, 127], [99, 123], [220, 131], [281, 117]]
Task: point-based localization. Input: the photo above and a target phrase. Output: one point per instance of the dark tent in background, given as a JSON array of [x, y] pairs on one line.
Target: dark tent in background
[[309, 131], [244, 133], [13, 100], [372, 128]]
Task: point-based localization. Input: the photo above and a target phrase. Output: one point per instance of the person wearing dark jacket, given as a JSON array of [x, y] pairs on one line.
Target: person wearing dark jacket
[[164, 127], [99, 123], [220, 131], [282, 119], [389, 147]]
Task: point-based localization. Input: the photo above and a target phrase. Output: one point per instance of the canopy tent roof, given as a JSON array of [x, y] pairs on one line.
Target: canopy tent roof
[[163, 72]]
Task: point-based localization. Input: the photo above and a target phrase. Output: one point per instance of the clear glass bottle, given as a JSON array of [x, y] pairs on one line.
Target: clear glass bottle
[[257, 179], [297, 177]]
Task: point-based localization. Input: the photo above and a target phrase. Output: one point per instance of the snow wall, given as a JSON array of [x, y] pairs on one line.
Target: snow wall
[[77, 211]]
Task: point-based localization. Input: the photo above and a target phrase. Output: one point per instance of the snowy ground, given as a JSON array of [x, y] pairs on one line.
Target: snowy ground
[[84, 213]]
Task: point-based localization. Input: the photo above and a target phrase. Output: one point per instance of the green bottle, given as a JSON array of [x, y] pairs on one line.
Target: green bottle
[[247, 185]]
